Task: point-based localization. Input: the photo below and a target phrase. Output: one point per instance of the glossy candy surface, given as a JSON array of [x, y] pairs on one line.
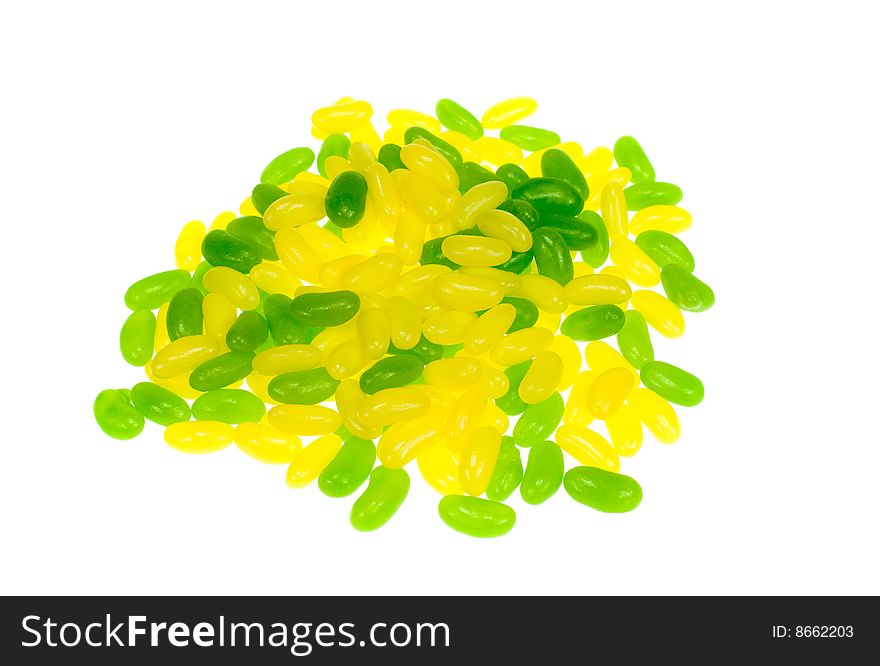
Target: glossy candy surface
[[385, 493], [476, 517], [603, 490]]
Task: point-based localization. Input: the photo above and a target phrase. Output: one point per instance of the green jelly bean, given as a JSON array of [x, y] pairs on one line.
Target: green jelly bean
[[389, 157], [391, 372], [673, 383], [526, 313], [335, 144], [523, 210], [552, 256], [198, 276], [579, 233], [221, 371], [229, 406], [329, 308], [543, 474], [432, 253], [511, 174], [221, 248], [634, 341], [425, 349], [334, 229], [518, 262], [629, 153], [598, 254], [154, 291], [303, 387], [457, 118], [248, 332], [510, 403], [450, 152], [284, 168], [665, 249], [184, 316], [557, 164], [476, 517], [137, 336], [593, 323], [530, 138], [346, 199], [508, 471], [539, 421], [471, 174], [263, 195], [686, 290], [550, 195], [251, 229], [603, 490], [385, 493], [643, 195], [284, 328], [116, 416], [344, 433], [158, 404], [349, 469]]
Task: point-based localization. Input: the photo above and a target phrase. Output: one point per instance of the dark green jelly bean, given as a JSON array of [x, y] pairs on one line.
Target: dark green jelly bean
[[116, 416], [198, 276], [476, 517], [251, 229], [557, 164], [329, 308], [154, 291], [550, 195], [511, 174], [263, 195], [603, 490], [510, 403], [389, 157], [665, 249], [221, 248], [425, 349], [229, 406], [221, 371], [284, 168], [391, 372], [628, 153], [346, 199], [184, 316], [539, 421], [432, 253], [284, 328], [248, 332], [385, 493], [598, 254], [335, 144], [454, 116], [518, 262], [526, 313], [593, 323], [450, 152], [543, 474], [508, 471], [686, 290], [303, 387], [137, 337], [552, 256], [643, 195], [673, 383], [579, 233], [523, 210], [158, 404], [349, 469], [530, 138], [634, 341], [472, 174]]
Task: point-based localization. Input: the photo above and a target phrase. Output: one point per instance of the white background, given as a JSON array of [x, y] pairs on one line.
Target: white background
[[122, 121]]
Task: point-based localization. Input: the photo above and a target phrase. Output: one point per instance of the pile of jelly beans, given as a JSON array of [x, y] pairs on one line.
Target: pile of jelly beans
[[403, 301]]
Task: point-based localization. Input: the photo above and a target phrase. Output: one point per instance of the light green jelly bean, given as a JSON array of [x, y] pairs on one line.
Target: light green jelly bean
[[248, 332], [665, 249], [335, 144], [598, 254], [634, 340], [543, 474], [673, 383], [642, 195], [457, 118], [686, 290], [508, 471], [329, 308], [229, 406], [530, 138], [137, 337], [303, 387], [221, 371], [476, 517], [385, 493], [198, 277], [284, 168], [349, 469], [263, 196], [628, 153], [116, 416], [539, 421], [510, 403], [389, 157], [603, 490], [593, 323], [251, 229], [471, 174], [154, 291], [184, 316], [159, 404], [557, 164]]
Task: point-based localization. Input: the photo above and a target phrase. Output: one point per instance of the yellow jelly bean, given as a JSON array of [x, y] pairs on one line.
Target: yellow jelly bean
[[374, 332], [454, 374], [178, 385], [305, 183], [619, 176], [608, 391], [332, 272], [333, 336], [663, 315], [497, 151], [404, 442], [495, 418], [409, 118], [418, 281], [327, 244], [440, 469], [544, 292], [335, 165], [479, 456], [570, 355], [476, 201], [367, 135], [238, 288], [297, 255], [447, 327], [188, 247], [287, 358], [274, 278], [486, 331], [671, 219], [549, 320], [430, 164], [597, 289], [532, 164], [183, 355], [383, 191], [267, 444], [506, 227], [466, 414], [340, 118], [614, 211], [576, 410], [374, 274], [294, 210], [597, 161], [346, 360], [509, 281], [542, 378], [656, 413], [421, 195], [582, 268], [258, 383], [405, 322], [311, 461], [497, 383], [199, 436], [361, 157], [636, 265], [600, 356], [409, 238], [588, 447], [218, 314], [304, 420], [616, 271], [223, 219], [625, 431], [521, 345], [348, 399], [467, 292], [596, 183], [393, 405], [571, 148], [509, 111], [161, 338]]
